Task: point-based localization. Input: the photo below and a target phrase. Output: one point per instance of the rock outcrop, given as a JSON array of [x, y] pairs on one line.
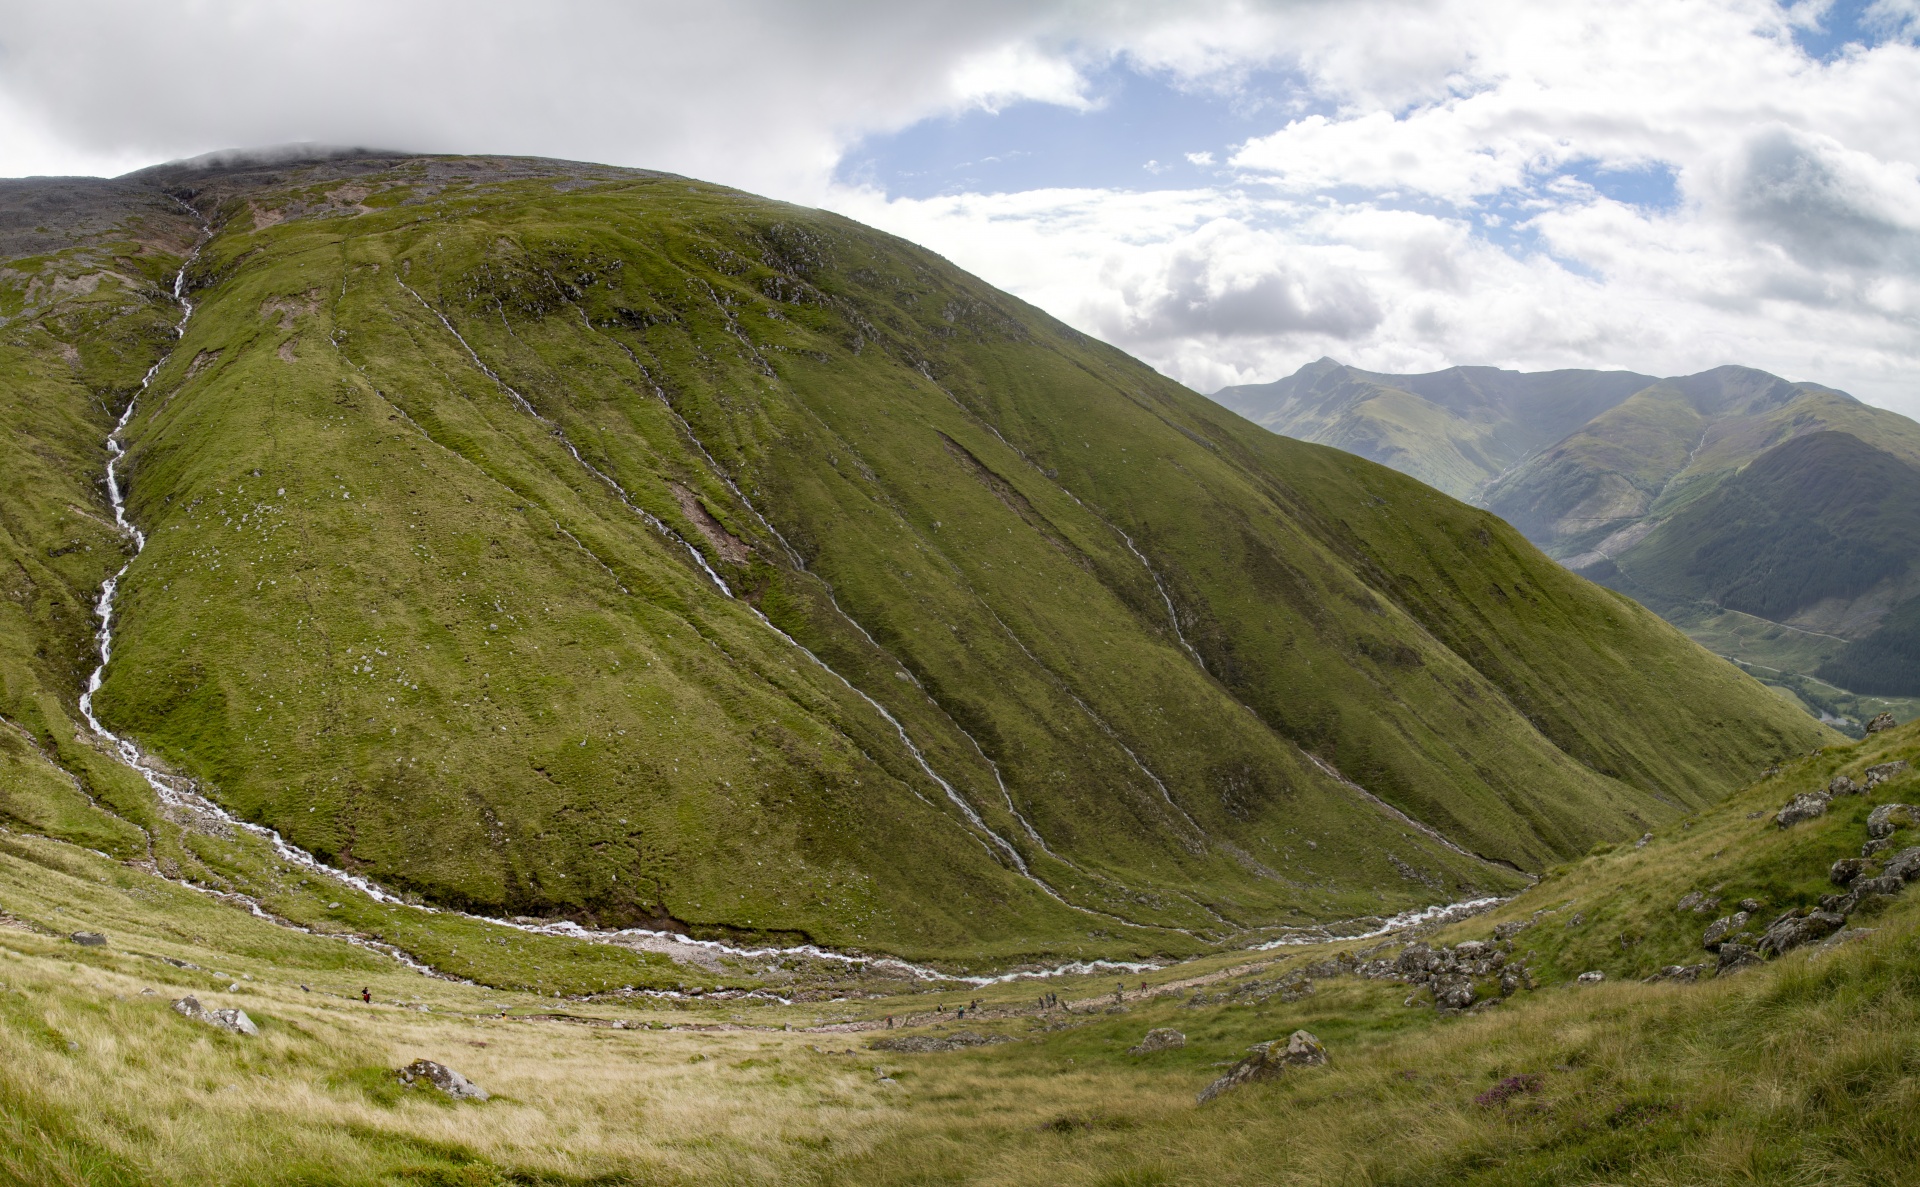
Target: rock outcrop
[[1796, 927], [1722, 929], [1884, 721], [1268, 1060]]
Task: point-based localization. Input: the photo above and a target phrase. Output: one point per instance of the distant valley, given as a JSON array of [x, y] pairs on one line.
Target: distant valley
[[1774, 521]]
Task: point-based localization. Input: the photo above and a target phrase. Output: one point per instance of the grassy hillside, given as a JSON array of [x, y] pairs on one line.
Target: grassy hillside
[[591, 544], [1799, 1070], [1824, 516], [1643, 484]]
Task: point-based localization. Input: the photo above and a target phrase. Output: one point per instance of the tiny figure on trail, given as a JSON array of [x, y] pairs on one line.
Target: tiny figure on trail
[[889, 1021], [366, 995], [1120, 991]]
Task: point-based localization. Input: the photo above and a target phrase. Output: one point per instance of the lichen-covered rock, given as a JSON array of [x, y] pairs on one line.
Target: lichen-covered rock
[[1842, 785], [235, 1021], [439, 1075], [1844, 871], [1452, 993], [1876, 846], [1697, 902], [1734, 957], [1885, 819], [1877, 775], [88, 939], [1591, 977], [1160, 1038], [1721, 928], [1805, 806], [1904, 865], [1267, 1060], [1883, 722]]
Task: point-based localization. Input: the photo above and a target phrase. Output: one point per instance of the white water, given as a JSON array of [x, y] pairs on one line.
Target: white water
[[180, 792], [1436, 913]]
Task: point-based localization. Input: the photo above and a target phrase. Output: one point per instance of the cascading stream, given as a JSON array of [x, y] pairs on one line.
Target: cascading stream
[[181, 793]]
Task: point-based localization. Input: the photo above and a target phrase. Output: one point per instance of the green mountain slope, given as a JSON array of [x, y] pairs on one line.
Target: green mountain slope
[[568, 541], [1458, 429], [1588, 464]]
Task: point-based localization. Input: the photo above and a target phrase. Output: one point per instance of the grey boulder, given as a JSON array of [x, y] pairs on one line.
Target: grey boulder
[[1160, 1038], [1721, 928], [88, 939], [1844, 871], [1793, 929], [1880, 774], [439, 1075], [235, 1021], [1882, 821], [1904, 865], [1267, 1061], [1805, 806], [1734, 957], [1883, 722]]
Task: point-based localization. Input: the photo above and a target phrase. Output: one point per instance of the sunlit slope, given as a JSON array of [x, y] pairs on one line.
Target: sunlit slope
[[1668, 445], [424, 484], [1458, 429]]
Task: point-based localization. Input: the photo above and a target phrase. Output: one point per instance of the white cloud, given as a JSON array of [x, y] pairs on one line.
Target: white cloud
[[1430, 194], [1426, 216]]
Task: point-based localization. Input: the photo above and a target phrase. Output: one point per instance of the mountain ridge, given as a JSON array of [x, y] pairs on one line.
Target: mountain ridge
[[982, 636]]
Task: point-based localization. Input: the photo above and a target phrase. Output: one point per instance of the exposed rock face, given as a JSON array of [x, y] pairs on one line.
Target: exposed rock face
[[1160, 1038], [1269, 1060], [1904, 865], [1805, 806], [88, 939], [1841, 785], [1866, 896], [1883, 722], [235, 1021], [1844, 871], [1697, 902], [1798, 927], [439, 1075]]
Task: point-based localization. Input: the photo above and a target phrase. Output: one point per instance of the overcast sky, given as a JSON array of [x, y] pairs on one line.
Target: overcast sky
[[1228, 190]]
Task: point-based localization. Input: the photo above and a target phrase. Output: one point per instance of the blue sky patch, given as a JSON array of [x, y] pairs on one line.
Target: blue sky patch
[[1138, 137]]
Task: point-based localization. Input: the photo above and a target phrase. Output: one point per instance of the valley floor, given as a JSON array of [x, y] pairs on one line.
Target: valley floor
[[1805, 1069]]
